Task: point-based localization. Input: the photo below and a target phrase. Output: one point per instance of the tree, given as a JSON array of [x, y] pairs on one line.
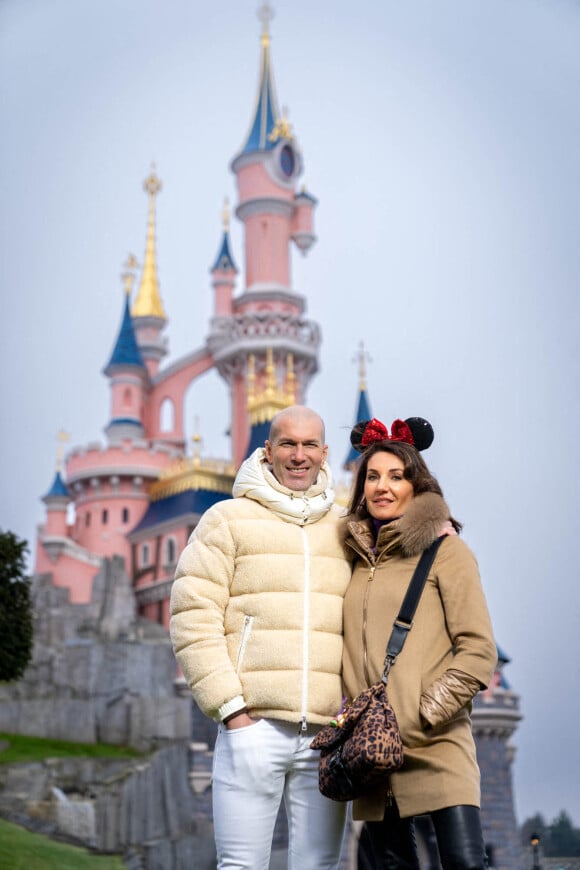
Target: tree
[[559, 839], [16, 632], [563, 839]]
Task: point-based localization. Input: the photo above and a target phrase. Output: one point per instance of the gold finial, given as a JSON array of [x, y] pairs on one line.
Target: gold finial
[[266, 399], [290, 380], [62, 438], [362, 358], [152, 185], [148, 302], [265, 15], [282, 128], [270, 374], [251, 378], [128, 276], [197, 442], [226, 214]]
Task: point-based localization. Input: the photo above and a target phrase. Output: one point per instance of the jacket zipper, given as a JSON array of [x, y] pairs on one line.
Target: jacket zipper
[[364, 625], [246, 630], [305, 644]]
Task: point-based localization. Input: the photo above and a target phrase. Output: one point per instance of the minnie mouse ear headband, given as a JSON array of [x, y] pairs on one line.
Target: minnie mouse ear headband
[[414, 430]]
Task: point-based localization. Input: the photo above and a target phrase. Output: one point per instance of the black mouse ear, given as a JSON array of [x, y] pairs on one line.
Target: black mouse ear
[[356, 435], [422, 432]]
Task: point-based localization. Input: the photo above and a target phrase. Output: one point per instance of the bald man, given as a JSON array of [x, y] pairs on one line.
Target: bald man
[[256, 625]]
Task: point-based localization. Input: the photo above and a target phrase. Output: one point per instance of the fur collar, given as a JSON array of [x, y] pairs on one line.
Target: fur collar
[[411, 534]]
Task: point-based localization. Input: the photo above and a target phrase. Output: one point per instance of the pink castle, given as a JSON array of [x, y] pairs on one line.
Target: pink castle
[[139, 495]]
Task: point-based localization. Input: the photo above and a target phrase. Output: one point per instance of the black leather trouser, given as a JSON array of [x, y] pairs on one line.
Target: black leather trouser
[[391, 845]]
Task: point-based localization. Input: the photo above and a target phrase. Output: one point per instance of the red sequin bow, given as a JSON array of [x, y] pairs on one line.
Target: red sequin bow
[[377, 431]]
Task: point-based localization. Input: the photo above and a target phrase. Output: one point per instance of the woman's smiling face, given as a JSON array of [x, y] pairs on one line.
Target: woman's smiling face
[[387, 492]]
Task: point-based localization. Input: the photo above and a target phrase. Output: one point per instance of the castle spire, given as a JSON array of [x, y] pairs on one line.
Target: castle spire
[[148, 302], [224, 260], [126, 350], [363, 409], [266, 116], [127, 372], [58, 492]]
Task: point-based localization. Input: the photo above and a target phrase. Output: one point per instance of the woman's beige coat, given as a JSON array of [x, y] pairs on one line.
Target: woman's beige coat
[[257, 606], [451, 630]]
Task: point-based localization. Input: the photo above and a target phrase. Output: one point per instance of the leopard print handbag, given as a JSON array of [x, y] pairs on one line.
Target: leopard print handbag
[[363, 744], [360, 747]]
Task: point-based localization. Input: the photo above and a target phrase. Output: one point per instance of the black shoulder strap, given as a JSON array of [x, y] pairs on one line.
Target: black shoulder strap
[[404, 621]]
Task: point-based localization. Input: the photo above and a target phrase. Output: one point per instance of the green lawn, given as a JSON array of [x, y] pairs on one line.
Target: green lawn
[[22, 850], [38, 748]]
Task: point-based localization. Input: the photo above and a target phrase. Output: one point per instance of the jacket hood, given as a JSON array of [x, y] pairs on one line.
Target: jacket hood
[[411, 534], [255, 480]]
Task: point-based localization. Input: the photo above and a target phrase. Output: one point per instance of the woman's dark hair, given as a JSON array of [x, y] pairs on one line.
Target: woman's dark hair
[[415, 471]]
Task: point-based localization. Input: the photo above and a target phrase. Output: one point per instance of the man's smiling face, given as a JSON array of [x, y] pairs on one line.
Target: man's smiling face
[[297, 450]]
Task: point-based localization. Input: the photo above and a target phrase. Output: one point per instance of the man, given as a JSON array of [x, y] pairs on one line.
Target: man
[[256, 624]]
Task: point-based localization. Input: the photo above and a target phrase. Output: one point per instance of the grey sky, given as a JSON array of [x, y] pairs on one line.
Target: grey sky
[[443, 141]]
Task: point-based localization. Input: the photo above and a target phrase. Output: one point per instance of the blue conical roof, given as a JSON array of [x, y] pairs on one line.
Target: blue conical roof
[[266, 110], [224, 259], [501, 655], [363, 412], [58, 489], [126, 351]]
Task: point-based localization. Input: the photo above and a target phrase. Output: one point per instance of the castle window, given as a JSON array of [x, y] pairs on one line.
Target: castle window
[[105, 516], [127, 398], [167, 416], [145, 555], [125, 515], [170, 551], [87, 519]]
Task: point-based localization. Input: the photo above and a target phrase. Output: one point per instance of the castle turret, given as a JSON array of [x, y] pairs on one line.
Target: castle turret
[[303, 220], [363, 408], [224, 270], [267, 169], [495, 717], [148, 314], [57, 500], [269, 313], [128, 374]]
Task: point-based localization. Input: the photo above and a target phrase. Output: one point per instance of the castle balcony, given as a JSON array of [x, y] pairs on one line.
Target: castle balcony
[[238, 336], [496, 712]]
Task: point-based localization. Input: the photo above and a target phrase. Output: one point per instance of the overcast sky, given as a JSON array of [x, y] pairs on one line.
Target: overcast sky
[[442, 140]]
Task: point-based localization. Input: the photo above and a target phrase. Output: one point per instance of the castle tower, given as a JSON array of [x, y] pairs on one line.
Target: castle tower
[[107, 487], [148, 314], [269, 313], [110, 484], [224, 271], [495, 717], [57, 500], [128, 375]]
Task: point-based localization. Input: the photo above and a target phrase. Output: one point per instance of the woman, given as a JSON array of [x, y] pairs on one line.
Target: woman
[[396, 511]]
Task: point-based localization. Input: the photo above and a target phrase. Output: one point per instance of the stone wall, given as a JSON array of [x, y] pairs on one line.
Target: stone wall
[[98, 672], [142, 809]]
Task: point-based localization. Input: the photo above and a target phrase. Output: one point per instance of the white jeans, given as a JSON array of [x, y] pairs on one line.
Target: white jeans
[[253, 768]]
